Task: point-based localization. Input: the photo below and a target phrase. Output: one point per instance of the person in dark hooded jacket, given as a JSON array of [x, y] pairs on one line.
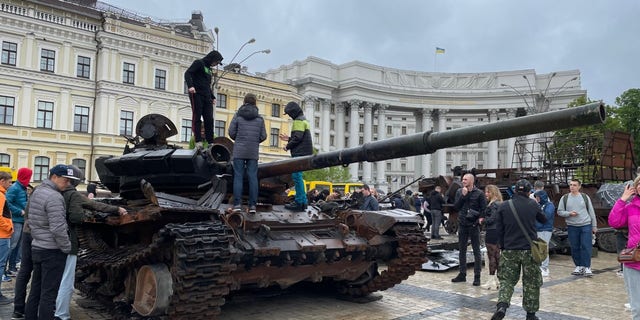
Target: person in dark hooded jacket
[[300, 144], [247, 129], [198, 79]]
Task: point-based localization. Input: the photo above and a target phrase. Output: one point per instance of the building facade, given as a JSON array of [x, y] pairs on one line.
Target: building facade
[[355, 103], [76, 78]]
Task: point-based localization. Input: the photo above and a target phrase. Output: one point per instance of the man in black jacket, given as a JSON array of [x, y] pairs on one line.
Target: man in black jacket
[[436, 200], [516, 251], [470, 204], [248, 131], [198, 79]]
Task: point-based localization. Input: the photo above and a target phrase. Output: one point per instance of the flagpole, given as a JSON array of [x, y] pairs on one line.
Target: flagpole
[[435, 55]]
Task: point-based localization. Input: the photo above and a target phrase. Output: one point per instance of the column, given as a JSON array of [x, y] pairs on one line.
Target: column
[[441, 155], [427, 125], [102, 63], [309, 105], [511, 143], [492, 153], [66, 57], [340, 127], [29, 44], [27, 106], [145, 73], [61, 110], [382, 134], [354, 118], [368, 137], [325, 120]]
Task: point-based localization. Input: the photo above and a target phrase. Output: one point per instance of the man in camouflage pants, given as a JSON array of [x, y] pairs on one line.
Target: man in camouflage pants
[[516, 252]]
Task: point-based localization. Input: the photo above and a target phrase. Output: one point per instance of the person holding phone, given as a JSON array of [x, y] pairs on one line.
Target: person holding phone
[[626, 213]]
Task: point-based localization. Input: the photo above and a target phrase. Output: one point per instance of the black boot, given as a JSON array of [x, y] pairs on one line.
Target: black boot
[[532, 316], [476, 280], [500, 311], [461, 277]]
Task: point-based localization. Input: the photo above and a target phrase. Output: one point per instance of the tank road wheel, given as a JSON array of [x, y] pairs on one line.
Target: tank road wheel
[[153, 290], [606, 241]]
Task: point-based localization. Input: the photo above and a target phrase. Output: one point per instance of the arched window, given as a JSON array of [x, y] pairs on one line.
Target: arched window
[[41, 169]]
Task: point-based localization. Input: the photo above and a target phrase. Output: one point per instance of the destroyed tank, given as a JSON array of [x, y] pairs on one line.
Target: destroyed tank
[[181, 250]]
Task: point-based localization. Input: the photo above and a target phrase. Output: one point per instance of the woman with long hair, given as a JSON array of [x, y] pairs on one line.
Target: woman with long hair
[[494, 199]]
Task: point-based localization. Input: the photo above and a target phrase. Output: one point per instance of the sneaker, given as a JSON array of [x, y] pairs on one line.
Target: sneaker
[[199, 145], [544, 272], [11, 273], [4, 300], [294, 206], [620, 274], [237, 209], [17, 315], [5, 278], [587, 272], [578, 271], [252, 209]]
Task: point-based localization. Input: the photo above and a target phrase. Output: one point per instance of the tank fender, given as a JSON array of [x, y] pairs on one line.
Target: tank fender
[[382, 221]]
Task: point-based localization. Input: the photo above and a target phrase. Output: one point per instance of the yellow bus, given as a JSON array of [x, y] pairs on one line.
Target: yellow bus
[[14, 173], [347, 187], [308, 185]]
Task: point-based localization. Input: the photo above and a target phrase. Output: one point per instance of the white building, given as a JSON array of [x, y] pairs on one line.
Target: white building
[[354, 103]]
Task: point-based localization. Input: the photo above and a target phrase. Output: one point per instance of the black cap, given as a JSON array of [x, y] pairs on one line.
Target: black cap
[[523, 186]]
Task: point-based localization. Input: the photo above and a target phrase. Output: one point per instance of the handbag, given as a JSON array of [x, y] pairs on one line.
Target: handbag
[[629, 254], [539, 247]]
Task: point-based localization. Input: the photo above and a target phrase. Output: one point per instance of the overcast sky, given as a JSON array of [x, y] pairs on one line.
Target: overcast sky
[[600, 38]]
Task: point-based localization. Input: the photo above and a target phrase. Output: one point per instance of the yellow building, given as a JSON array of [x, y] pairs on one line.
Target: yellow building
[[76, 78]]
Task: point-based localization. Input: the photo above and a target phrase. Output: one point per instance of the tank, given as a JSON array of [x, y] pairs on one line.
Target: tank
[[181, 251]]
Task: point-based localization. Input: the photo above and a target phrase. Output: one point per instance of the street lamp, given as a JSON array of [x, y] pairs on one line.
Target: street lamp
[[523, 96], [217, 78], [265, 51]]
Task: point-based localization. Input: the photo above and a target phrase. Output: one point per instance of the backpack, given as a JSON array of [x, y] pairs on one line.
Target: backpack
[[408, 203], [584, 197]]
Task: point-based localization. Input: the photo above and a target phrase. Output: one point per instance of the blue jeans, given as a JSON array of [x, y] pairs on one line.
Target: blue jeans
[[239, 168], [48, 267], [546, 236], [301, 195], [631, 279], [63, 301], [580, 242], [14, 254], [5, 244]]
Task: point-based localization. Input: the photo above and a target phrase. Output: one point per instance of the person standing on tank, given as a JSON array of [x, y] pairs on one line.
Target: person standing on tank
[[247, 130], [300, 144], [198, 79]]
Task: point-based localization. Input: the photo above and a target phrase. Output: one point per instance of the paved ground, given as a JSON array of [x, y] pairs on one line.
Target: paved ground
[[427, 295]]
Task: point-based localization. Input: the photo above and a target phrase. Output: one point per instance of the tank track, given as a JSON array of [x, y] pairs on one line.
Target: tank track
[[411, 254], [196, 253]]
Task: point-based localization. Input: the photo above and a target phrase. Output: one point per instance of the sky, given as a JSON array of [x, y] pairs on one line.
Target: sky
[[598, 37]]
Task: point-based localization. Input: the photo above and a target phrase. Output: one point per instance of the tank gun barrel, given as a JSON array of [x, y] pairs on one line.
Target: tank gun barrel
[[428, 142]]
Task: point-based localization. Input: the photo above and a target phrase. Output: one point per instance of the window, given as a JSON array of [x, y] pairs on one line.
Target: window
[[464, 119], [316, 107], [389, 130], [388, 166], [81, 119], [161, 79], [41, 169], [404, 130], [47, 60], [45, 115], [332, 125], [403, 167], [126, 123], [81, 164], [274, 137], [375, 128], [361, 128], [128, 73], [219, 128], [465, 156], [185, 130], [360, 166], [480, 156], [316, 122], [5, 160], [403, 180], [361, 140], [221, 102], [9, 53], [332, 140], [316, 138], [346, 141], [84, 67], [480, 119], [6, 110], [275, 110]]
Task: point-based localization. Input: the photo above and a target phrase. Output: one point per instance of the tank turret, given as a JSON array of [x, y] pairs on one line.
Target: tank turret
[[181, 250]]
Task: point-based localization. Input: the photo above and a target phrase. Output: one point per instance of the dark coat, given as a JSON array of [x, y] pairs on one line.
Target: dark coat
[[300, 142], [199, 74], [470, 207], [247, 129], [436, 200], [510, 235]]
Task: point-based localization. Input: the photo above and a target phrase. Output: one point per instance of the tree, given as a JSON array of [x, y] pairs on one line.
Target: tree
[[332, 174], [628, 113]]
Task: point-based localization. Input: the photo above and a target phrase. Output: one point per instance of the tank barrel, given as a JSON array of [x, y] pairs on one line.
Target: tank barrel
[[429, 142]]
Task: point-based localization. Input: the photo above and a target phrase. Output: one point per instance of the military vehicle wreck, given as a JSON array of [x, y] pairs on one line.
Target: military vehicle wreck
[[181, 250]]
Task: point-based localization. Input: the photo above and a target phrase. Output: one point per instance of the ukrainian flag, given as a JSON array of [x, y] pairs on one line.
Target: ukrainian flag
[[439, 50]]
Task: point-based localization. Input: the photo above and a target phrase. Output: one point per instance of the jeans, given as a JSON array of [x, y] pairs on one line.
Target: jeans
[[5, 243], [631, 280], [301, 195], [24, 274], [14, 254], [239, 168], [63, 301], [435, 225], [580, 242], [546, 236], [48, 266], [464, 234]]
